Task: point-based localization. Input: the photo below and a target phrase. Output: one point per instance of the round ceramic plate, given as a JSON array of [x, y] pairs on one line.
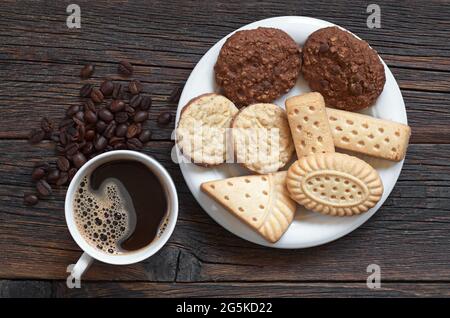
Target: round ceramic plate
[[308, 228]]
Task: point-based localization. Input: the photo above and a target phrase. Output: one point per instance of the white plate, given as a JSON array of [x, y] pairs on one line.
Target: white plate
[[309, 228]]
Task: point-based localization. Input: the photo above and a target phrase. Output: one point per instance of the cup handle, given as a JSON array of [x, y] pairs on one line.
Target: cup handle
[[82, 266]]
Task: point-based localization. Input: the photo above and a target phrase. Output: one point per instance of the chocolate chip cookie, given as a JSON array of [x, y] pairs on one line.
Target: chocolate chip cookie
[[345, 70], [257, 66]]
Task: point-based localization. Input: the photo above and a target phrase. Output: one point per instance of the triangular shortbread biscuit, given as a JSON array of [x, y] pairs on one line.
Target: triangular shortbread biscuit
[[262, 201]]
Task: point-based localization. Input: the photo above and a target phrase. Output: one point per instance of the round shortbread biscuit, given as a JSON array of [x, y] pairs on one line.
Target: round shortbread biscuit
[[262, 138], [334, 184], [201, 131]]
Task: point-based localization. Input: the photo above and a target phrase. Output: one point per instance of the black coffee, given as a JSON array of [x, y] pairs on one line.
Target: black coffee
[[120, 207]]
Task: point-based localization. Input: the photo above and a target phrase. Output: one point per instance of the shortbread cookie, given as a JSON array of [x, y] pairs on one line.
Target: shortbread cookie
[[368, 135], [309, 124], [261, 138], [334, 184], [201, 132], [262, 201]]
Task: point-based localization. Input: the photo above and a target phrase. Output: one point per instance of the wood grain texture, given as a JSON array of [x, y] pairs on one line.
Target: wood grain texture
[[311, 289], [40, 61]]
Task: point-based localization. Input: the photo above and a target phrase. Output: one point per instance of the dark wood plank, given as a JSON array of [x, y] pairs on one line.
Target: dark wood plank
[[25, 289], [311, 289], [40, 58], [408, 237]]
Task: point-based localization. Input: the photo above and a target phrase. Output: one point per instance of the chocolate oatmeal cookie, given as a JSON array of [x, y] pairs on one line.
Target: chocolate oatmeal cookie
[[257, 66], [345, 70]]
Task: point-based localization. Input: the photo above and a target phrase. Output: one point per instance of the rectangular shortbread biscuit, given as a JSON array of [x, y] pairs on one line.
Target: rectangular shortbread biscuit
[[368, 135], [310, 129]]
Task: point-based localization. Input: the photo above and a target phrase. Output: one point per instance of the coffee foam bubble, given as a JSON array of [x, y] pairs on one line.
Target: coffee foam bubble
[[105, 217]]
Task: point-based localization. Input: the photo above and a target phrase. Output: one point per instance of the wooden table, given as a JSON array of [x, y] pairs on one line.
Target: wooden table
[[40, 59]]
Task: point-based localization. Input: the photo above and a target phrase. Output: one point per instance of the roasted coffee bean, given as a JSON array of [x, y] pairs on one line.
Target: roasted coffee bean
[[125, 68], [63, 164], [132, 131], [43, 188], [117, 91], [107, 87], [88, 148], [110, 130], [63, 138], [53, 176], [140, 116], [87, 71], [46, 125], [136, 101], [30, 199], [63, 178], [36, 136], [145, 135], [120, 146], [96, 96], [134, 144], [100, 126], [72, 173], [116, 140], [146, 102], [164, 118], [71, 149], [79, 115], [37, 174], [116, 106], [89, 105], [81, 131], [72, 111], [90, 117], [100, 143], [135, 87], [105, 115], [130, 111], [77, 121], [78, 159], [121, 130], [43, 165], [121, 117], [60, 149], [90, 135], [85, 90]]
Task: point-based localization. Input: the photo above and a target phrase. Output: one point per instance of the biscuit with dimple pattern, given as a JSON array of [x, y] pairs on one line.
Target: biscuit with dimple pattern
[[334, 184], [309, 124], [261, 201], [261, 138], [368, 135], [201, 131]]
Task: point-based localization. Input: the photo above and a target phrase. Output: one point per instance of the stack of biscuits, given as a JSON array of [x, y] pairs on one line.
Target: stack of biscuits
[[254, 68]]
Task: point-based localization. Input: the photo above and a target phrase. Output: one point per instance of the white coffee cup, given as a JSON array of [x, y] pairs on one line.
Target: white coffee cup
[[90, 252]]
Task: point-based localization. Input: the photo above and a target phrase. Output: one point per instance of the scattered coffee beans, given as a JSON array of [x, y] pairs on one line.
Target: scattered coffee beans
[[164, 118], [125, 68], [85, 90], [87, 71], [43, 188], [135, 87], [91, 128], [30, 199], [107, 87]]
